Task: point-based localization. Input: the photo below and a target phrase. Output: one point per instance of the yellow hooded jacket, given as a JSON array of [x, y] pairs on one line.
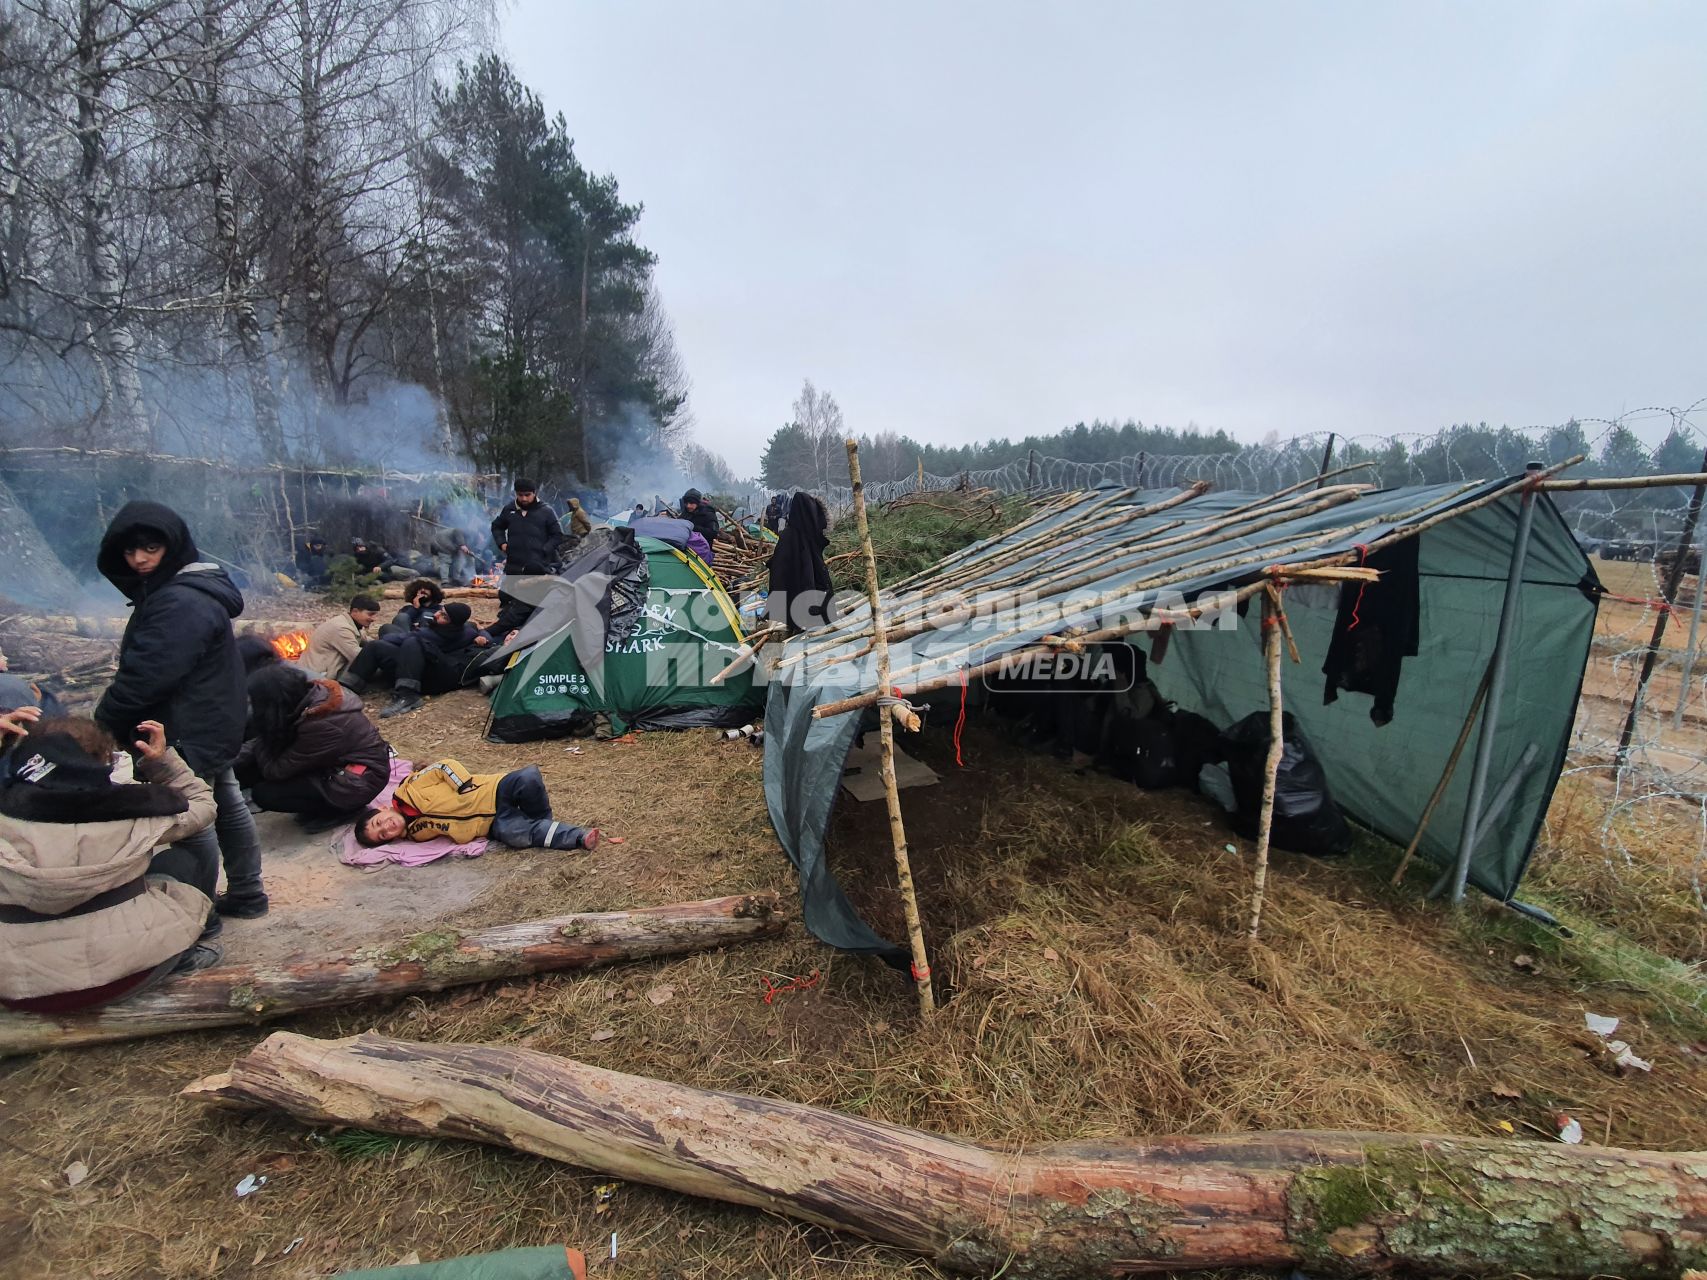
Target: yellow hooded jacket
[[444, 799]]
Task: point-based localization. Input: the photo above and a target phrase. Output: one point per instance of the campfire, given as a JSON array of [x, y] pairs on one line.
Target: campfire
[[291, 645]]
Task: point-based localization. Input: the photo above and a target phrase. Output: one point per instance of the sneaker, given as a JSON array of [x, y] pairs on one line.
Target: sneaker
[[248, 906], [401, 705], [590, 839], [197, 957]]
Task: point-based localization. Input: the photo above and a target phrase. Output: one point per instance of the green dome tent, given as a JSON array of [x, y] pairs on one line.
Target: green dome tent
[[634, 630]]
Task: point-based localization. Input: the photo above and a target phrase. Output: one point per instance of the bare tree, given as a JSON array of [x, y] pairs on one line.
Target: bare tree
[[820, 417]]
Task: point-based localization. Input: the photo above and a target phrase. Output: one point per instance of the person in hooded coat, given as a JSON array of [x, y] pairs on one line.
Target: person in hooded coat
[[697, 512], [179, 665], [313, 751], [800, 580], [89, 912]]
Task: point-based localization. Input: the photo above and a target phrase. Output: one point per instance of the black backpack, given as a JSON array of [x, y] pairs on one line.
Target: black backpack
[[1306, 819]]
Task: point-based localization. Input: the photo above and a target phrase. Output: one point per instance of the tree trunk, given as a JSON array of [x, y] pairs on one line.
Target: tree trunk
[[111, 335], [234, 266], [431, 961], [1345, 1203]]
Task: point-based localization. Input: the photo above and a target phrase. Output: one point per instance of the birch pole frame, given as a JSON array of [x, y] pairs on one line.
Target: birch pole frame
[[886, 736], [1271, 639]]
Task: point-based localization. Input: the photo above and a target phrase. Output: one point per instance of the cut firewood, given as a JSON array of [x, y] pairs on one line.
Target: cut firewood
[[432, 961], [1343, 1203]]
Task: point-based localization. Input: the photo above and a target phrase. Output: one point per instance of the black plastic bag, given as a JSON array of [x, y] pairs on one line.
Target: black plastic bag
[[1306, 819]]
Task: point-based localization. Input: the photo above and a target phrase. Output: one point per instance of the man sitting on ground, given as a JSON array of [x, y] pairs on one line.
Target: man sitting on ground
[[336, 642], [424, 596], [435, 659], [445, 799]]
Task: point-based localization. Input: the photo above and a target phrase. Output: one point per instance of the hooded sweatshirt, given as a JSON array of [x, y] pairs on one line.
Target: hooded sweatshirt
[[178, 661], [800, 580]]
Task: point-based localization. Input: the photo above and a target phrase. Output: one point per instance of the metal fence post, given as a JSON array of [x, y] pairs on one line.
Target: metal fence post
[[1458, 874]]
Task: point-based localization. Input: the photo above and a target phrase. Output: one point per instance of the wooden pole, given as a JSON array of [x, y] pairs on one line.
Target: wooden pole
[[1327, 457], [233, 995], [1276, 746], [1329, 1204], [1674, 575], [1445, 775], [886, 735], [1625, 482]]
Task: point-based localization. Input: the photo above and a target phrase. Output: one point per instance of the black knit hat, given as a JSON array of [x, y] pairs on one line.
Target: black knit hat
[[526, 486], [457, 612]]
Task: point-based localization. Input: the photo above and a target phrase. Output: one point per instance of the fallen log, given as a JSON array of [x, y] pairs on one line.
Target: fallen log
[[394, 591], [1346, 1203], [236, 994]]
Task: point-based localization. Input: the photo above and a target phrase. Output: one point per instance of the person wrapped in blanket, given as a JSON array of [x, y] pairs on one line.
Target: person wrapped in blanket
[[446, 799]]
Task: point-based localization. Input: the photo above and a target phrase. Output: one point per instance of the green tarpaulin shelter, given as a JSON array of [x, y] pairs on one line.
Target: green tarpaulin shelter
[[634, 630], [1112, 559]]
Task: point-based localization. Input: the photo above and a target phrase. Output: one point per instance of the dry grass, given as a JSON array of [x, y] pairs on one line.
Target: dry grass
[[1098, 986], [1642, 877]]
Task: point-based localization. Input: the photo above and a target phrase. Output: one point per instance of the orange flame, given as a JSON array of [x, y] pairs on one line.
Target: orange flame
[[291, 646]]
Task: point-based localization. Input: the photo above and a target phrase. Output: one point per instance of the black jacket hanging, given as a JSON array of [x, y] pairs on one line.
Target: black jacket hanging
[[1377, 628]]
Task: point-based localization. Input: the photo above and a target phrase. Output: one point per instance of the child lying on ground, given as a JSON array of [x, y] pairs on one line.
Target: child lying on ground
[[444, 799]]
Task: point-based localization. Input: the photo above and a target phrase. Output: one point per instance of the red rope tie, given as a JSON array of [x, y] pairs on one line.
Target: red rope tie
[[773, 989], [1362, 558], [920, 975], [960, 724]]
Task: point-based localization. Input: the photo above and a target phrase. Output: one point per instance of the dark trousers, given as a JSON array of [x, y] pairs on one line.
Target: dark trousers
[[293, 795], [377, 659], [420, 666], [232, 839], [524, 818], [196, 867]]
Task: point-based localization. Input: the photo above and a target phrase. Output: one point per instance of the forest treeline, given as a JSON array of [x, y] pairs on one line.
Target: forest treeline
[[807, 452], [288, 231]]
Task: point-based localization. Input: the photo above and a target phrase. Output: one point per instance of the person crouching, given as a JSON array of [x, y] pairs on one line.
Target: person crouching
[[313, 752], [89, 912], [445, 799]]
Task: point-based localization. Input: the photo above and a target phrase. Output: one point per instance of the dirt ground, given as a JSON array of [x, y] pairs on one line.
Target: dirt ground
[[1094, 978]]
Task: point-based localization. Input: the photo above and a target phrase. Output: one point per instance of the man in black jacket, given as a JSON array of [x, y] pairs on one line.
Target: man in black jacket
[[697, 512], [178, 664], [527, 531], [435, 659]]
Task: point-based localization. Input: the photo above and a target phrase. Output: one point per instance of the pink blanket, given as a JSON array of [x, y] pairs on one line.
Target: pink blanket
[[405, 853]]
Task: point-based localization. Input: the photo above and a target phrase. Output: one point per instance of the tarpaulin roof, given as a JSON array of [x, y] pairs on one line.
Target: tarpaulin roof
[[1099, 564]]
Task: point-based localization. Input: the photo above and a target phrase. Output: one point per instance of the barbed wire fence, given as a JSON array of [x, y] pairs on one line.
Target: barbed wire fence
[[1652, 789]]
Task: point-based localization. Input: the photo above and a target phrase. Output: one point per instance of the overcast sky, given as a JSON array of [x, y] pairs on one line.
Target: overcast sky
[[982, 219]]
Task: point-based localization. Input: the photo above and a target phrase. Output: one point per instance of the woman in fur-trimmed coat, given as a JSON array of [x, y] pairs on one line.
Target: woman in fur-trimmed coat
[[89, 911]]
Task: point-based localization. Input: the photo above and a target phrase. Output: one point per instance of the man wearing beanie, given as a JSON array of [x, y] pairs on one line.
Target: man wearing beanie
[[526, 531], [435, 659]]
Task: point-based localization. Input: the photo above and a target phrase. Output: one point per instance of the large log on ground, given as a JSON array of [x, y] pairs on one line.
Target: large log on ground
[[1339, 1203], [394, 591], [443, 957]]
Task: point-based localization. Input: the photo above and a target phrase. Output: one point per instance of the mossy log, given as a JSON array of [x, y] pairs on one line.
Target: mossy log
[[1330, 1203], [233, 995]]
